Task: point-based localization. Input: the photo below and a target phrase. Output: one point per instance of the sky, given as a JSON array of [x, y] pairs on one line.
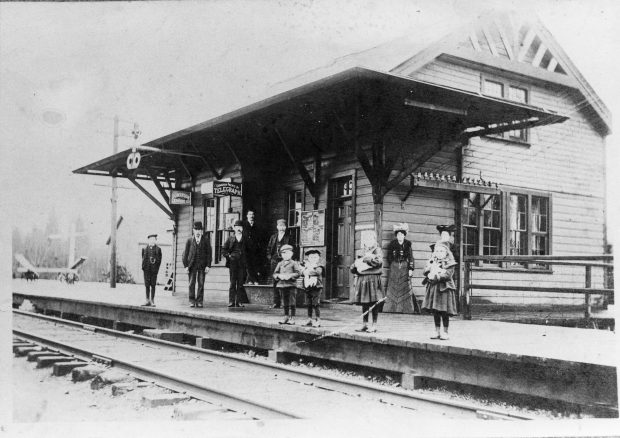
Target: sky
[[66, 69]]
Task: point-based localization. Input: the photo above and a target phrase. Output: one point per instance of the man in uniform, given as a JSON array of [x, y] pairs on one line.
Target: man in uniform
[[197, 262], [151, 260]]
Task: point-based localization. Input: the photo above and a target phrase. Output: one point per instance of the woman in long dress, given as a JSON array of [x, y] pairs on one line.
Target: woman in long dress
[[440, 298], [401, 262], [368, 288]]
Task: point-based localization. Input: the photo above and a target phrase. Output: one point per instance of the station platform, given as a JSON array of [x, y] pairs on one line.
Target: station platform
[[567, 364]]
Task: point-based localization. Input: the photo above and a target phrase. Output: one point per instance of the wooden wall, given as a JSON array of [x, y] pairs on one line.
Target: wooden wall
[[566, 160]]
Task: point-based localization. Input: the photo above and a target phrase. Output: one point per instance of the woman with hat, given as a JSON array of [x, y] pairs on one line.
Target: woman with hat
[[400, 259], [440, 297], [276, 241], [235, 251]]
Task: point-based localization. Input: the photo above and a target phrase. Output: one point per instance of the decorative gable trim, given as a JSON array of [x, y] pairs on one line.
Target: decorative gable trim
[[514, 44]]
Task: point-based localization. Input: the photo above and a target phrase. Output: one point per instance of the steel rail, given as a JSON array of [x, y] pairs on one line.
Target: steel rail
[[400, 397], [175, 383]]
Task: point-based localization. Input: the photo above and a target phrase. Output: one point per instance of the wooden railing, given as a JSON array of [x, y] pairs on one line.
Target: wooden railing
[[588, 262]]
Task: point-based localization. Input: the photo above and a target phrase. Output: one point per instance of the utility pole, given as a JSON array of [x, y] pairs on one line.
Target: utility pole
[[113, 218]]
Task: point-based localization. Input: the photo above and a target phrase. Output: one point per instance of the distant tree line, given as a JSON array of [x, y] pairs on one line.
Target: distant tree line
[[42, 251]]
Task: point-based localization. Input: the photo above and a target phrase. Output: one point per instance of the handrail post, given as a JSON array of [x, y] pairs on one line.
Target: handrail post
[[588, 312], [466, 297]]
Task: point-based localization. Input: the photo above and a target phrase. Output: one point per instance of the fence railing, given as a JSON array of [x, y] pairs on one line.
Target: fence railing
[[588, 262]]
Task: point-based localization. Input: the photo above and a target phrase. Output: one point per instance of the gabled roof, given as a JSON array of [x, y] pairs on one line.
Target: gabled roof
[[513, 42]]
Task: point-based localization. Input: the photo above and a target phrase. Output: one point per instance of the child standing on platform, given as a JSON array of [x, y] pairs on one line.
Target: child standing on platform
[[368, 287], [313, 285], [440, 288], [285, 275]]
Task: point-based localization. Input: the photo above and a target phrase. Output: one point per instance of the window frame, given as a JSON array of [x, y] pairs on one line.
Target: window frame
[[506, 86], [294, 231], [505, 229]]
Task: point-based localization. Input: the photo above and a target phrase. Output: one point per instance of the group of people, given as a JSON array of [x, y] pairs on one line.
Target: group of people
[[440, 296], [242, 253]]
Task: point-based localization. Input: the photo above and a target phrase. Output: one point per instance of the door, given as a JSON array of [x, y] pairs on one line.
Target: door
[[341, 237]]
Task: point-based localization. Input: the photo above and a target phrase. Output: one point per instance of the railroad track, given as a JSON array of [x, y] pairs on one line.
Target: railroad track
[[260, 389]]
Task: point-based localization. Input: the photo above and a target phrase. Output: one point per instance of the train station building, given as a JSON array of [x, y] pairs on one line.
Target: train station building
[[486, 127]]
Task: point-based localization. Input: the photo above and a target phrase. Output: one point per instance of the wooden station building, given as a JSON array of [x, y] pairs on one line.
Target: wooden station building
[[490, 127]]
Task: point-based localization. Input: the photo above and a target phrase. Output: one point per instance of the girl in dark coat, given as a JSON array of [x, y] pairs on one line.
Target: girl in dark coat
[[400, 259], [440, 297]]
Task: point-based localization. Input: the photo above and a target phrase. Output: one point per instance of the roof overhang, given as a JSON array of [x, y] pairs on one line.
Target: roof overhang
[[311, 104]]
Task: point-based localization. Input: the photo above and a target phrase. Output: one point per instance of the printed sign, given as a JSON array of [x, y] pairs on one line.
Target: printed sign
[[312, 229], [230, 219], [223, 188], [179, 197]]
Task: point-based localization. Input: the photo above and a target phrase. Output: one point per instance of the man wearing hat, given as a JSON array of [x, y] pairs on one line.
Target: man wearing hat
[[151, 260], [197, 261], [235, 250]]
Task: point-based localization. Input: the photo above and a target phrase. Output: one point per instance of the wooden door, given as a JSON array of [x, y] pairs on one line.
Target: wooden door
[[341, 238]]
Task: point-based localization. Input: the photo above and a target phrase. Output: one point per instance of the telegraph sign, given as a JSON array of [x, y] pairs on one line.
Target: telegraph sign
[[223, 188]]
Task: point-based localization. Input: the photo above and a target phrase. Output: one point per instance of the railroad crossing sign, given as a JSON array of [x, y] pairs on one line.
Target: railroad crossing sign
[[133, 159]]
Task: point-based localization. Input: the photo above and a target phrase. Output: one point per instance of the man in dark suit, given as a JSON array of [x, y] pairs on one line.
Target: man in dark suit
[[197, 262], [235, 250], [254, 237], [151, 260]]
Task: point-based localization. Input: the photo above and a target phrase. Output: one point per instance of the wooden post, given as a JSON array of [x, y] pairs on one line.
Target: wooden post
[[588, 311], [113, 214], [466, 297]]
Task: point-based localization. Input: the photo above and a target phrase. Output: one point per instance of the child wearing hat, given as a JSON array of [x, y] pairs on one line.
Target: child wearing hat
[[440, 297], [285, 276], [151, 260], [313, 285]]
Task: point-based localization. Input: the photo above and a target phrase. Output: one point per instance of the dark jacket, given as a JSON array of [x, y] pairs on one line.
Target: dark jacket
[[236, 251], [254, 235], [274, 245], [151, 258], [400, 253], [197, 256], [287, 272]]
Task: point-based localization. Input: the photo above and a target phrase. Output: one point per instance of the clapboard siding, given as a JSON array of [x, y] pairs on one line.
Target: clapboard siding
[[566, 160]]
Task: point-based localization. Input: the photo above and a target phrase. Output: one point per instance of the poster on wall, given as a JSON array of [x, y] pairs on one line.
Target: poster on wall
[[229, 219], [312, 229]]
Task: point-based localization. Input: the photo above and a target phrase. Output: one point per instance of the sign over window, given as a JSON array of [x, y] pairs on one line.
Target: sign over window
[[223, 188], [180, 197], [312, 229]]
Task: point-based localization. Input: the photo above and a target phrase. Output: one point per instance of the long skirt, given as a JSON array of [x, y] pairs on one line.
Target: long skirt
[[368, 288], [441, 301], [399, 298]]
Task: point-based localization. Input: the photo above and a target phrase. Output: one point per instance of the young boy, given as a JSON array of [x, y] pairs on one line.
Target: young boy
[[313, 285], [285, 275]]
